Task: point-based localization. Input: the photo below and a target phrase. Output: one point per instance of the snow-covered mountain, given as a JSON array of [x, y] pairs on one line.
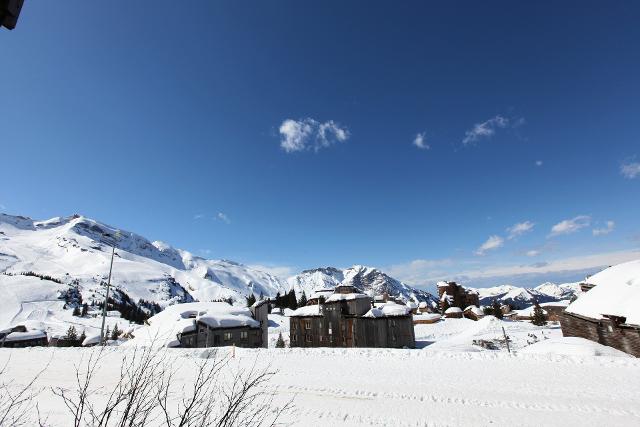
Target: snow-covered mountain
[[74, 253], [519, 297], [366, 279]]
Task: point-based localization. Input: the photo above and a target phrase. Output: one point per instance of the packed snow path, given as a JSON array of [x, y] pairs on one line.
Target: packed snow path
[[353, 387]]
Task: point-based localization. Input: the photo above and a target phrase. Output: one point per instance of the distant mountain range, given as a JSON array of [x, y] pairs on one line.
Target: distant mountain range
[[74, 253]]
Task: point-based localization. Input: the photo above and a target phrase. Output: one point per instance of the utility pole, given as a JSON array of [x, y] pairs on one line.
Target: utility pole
[[106, 298]]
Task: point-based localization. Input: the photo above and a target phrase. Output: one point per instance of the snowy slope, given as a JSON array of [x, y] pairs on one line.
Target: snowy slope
[[366, 279], [75, 251]]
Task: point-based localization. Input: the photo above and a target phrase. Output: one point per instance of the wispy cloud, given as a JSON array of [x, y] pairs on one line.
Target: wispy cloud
[[223, 217], [630, 170], [487, 129], [420, 141], [538, 163], [425, 272], [309, 134], [198, 216], [569, 226], [610, 225], [533, 252], [492, 243], [519, 229]]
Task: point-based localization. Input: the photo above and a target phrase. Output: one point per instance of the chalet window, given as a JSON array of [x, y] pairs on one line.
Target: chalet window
[[330, 332], [307, 324], [320, 338], [307, 337], [228, 336], [294, 338], [321, 324], [244, 335]]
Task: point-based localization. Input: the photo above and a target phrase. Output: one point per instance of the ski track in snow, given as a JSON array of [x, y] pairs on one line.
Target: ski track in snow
[[381, 387]]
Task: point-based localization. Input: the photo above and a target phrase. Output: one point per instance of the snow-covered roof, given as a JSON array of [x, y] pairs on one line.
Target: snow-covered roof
[[324, 293], [616, 293], [307, 310], [442, 284], [412, 305], [422, 304], [453, 310], [427, 316], [23, 336], [346, 297], [389, 308], [474, 309], [180, 318]]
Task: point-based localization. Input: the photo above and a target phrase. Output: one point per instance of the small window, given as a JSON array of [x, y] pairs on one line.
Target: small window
[[307, 324], [307, 337], [294, 338], [228, 336], [320, 338], [244, 335]]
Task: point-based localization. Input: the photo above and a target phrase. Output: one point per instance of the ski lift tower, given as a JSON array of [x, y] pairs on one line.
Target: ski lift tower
[[113, 240]]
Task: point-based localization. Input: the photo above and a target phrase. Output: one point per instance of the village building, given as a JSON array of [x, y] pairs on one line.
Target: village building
[[609, 313], [19, 336], [426, 318], [551, 310], [349, 318], [453, 313], [207, 324], [452, 294], [473, 312]]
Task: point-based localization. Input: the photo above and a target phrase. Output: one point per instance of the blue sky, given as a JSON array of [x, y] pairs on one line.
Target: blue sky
[[292, 134]]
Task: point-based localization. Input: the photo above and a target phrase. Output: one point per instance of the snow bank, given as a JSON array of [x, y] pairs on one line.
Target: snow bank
[[451, 310], [164, 327], [616, 293], [572, 346], [21, 336]]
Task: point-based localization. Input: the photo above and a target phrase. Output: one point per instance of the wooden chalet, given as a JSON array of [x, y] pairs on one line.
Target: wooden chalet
[[609, 313], [349, 318], [19, 336]]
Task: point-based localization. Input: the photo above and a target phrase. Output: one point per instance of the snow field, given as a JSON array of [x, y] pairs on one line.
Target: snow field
[[383, 387]]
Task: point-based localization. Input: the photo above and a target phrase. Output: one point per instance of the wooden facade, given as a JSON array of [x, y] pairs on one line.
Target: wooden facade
[[20, 337], [457, 295], [612, 332], [343, 324], [206, 336]]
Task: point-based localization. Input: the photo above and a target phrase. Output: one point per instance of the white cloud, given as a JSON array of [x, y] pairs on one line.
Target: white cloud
[[486, 129], [427, 272], [519, 229], [602, 231], [492, 243], [538, 162], [305, 134], [630, 170], [420, 141], [533, 252], [569, 226], [198, 216], [223, 217]]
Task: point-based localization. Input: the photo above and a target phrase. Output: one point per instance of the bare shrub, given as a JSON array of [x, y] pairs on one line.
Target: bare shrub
[[146, 394], [16, 406]]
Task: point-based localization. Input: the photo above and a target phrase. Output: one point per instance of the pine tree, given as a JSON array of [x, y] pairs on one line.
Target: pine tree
[[115, 334], [278, 302], [76, 311], [292, 302], [251, 299], [280, 342], [495, 308], [303, 300], [107, 333], [72, 334], [539, 319], [85, 309], [82, 337]]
